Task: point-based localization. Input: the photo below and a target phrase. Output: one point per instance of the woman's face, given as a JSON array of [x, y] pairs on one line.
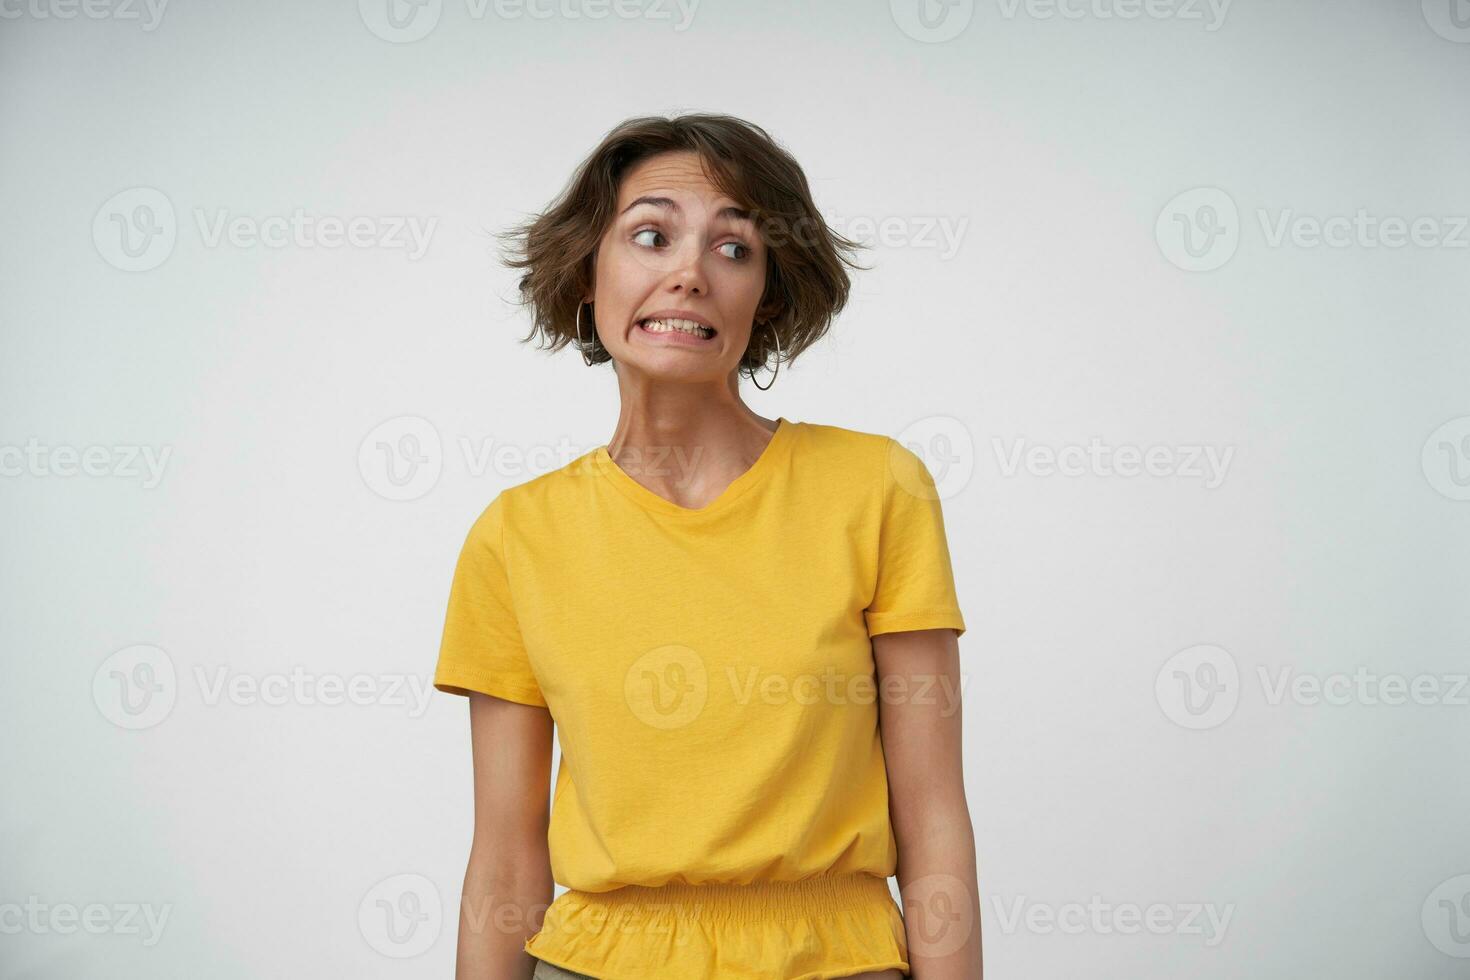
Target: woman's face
[[676, 243]]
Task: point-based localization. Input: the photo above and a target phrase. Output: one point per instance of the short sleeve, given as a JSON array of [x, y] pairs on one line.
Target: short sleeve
[[481, 649], [915, 588]]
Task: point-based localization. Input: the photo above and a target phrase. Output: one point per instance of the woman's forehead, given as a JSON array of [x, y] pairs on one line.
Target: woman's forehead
[[669, 175]]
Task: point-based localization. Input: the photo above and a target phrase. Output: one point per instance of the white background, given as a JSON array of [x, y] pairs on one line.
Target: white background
[[1055, 140]]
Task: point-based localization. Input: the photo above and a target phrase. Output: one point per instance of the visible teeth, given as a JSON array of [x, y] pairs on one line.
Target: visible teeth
[[684, 326]]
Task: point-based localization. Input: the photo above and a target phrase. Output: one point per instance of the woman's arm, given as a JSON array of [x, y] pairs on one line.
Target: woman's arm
[[507, 885], [919, 713]]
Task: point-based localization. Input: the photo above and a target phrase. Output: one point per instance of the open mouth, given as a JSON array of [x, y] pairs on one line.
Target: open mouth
[[677, 327]]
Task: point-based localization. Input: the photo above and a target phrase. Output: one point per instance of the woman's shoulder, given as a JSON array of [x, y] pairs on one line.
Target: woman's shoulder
[[555, 483], [550, 491], [884, 460], [824, 440]]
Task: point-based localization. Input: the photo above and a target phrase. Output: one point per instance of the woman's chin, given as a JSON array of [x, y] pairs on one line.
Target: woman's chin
[[676, 366]]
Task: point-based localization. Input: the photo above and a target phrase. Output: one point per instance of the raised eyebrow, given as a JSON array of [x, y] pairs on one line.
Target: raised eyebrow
[[669, 204]]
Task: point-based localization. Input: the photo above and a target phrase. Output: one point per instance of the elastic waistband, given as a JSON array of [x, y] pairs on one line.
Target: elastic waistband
[[756, 900]]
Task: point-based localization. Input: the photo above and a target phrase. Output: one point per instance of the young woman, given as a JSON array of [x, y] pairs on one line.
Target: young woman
[[743, 629]]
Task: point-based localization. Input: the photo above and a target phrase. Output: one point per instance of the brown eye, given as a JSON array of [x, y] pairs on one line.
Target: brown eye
[[740, 246], [646, 231]]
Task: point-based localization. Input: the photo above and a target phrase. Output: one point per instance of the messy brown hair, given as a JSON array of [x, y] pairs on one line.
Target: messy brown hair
[[806, 280]]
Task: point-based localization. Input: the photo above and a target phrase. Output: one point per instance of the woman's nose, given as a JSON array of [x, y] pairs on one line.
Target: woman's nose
[[689, 274]]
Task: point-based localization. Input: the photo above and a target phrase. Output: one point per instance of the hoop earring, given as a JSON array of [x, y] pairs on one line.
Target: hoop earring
[[776, 370], [581, 345]]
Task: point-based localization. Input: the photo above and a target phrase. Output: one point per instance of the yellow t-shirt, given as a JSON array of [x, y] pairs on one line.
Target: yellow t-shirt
[[721, 807]]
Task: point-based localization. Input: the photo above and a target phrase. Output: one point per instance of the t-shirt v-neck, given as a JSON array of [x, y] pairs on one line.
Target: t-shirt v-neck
[[777, 446]]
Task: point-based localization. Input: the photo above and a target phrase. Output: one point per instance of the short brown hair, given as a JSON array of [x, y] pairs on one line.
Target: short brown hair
[[806, 282]]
